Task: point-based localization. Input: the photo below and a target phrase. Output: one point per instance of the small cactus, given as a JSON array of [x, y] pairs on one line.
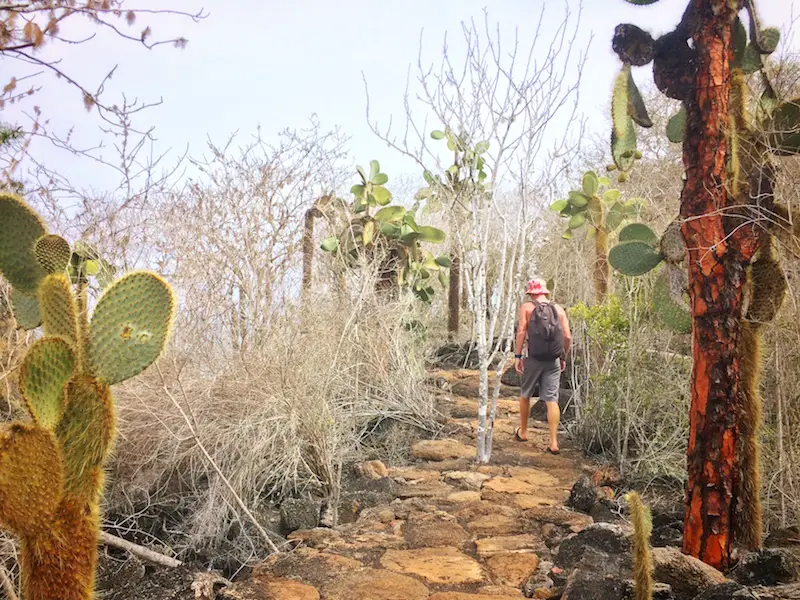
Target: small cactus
[[642, 522], [51, 470]]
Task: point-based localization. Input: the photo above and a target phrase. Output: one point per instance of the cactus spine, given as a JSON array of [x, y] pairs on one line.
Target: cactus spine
[[51, 469]]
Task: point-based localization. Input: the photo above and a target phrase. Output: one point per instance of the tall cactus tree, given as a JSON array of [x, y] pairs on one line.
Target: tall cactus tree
[[391, 234], [317, 210], [602, 214], [726, 205], [51, 467]]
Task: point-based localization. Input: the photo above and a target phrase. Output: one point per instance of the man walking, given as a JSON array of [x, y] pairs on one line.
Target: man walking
[[544, 328]]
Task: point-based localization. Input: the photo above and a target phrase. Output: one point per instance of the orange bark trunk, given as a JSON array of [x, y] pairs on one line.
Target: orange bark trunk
[[717, 258]]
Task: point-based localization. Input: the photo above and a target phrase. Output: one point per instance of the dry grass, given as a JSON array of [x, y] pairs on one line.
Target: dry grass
[[329, 386]]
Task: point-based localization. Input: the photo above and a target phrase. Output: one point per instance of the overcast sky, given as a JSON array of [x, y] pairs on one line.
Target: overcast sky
[[273, 63]]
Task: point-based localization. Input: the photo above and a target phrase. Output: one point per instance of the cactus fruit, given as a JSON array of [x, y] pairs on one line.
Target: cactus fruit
[[672, 244], [51, 470], [749, 525], [53, 253], [642, 522], [20, 230]]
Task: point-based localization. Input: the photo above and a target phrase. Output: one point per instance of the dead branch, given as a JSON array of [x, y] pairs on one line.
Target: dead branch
[[137, 550]]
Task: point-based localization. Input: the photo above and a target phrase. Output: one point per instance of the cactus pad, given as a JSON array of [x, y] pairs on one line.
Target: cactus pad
[[638, 231], [672, 245], [86, 432], [634, 257], [130, 326], [53, 253], [671, 312], [31, 478], [768, 284], [58, 309], [21, 227], [48, 366], [26, 309]]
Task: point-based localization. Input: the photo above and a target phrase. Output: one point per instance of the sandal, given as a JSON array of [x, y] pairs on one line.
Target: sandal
[[516, 436], [551, 451]]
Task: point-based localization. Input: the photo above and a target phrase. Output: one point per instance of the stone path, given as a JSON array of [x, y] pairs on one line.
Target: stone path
[[456, 531]]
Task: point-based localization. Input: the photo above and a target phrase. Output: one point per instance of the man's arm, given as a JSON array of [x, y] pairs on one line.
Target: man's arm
[[562, 316], [522, 331]]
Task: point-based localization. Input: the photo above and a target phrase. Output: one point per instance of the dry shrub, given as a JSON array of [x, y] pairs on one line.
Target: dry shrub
[[332, 382], [633, 392]]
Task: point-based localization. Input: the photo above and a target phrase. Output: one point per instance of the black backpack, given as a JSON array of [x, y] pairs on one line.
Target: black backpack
[[545, 334]]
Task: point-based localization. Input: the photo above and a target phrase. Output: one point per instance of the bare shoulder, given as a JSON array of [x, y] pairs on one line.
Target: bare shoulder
[[560, 310]]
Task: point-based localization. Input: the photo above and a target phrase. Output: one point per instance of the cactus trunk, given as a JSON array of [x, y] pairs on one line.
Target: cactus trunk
[[453, 299], [60, 563], [716, 278], [308, 249], [601, 268]]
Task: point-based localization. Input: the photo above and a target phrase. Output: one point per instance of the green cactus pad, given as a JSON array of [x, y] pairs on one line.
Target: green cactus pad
[[58, 309], [53, 253], [640, 232], [784, 128], [26, 309], [623, 149], [31, 478], [670, 312], [636, 107], [130, 326], [676, 126], [633, 258], [768, 283], [619, 102], [48, 366], [86, 431], [20, 227]]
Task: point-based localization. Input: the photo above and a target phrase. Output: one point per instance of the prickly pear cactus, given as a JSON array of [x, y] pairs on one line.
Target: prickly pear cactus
[[51, 468]]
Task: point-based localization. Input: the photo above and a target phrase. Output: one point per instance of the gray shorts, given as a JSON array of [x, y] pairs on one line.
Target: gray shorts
[[546, 376]]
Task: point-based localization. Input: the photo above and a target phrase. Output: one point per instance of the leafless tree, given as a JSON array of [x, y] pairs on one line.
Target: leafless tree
[[522, 101]]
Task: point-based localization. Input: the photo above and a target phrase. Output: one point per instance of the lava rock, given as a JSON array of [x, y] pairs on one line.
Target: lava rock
[[727, 591], [583, 495], [770, 566], [300, 513], [670, 534], [603, 512], [661, 591], [609, 539]]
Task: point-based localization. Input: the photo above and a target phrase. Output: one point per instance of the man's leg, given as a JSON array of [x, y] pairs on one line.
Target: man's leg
[[553, 419], [524, 412], [551, 379]]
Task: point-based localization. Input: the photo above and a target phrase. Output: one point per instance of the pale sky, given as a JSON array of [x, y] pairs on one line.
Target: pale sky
[[274, 63]]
